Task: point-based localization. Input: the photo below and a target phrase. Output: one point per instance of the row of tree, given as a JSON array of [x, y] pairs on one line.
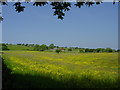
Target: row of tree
[[37, 47], [97, 50], [43, 47]]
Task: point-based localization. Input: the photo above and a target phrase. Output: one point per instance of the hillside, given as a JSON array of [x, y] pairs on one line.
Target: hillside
[[19, 47]]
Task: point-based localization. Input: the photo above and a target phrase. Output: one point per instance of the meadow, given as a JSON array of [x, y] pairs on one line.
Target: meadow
[[37, 69], [19, 47]]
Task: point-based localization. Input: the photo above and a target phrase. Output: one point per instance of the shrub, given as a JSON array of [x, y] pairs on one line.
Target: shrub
[[69, 49], [81, 50], [58, 51], [36, 47], [4, 47]]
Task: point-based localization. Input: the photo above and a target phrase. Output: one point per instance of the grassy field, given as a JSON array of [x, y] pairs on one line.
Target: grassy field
[[19, 47], [35, 69]]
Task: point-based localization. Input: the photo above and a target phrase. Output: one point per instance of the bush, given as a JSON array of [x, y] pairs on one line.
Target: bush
[[108, 50], [81, 50], [4, 47], [36, 47], [69, 49], [58, 51]]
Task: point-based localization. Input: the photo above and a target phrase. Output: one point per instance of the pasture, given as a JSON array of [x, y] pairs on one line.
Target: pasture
[[19, 47], [35, 69]]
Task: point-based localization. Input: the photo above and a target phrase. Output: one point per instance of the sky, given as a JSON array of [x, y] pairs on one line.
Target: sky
[[86, 27]]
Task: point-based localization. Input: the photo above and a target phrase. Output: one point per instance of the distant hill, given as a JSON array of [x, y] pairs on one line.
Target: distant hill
[[19, 47]]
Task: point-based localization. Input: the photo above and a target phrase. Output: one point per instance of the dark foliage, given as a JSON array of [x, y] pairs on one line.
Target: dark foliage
[[58, 51], [40, 3], [51, 46], [42, 47], [59, 7], [1, 18], [69, 49], [4, 3], [19, 7], [4, 47]]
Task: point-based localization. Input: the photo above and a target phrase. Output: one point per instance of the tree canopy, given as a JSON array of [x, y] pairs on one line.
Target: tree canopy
[[3, 47], [59, 7]]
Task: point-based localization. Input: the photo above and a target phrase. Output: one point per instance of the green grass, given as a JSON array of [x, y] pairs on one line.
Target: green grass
[[19, 47], [34, 69]]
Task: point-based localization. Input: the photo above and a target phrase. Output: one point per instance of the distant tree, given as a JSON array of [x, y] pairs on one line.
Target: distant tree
[[76, 47], [43, 47], [118, 50], [102, 50], [113, 50], [26, 44], [36, 47], [99, 50], [81, 50], [90, 50], [51, 46], [30, 45], [7, 44], [108, 50], [69, 49], [57, 46], [19, 44], [3, 47], [87, 50], [58, 50]]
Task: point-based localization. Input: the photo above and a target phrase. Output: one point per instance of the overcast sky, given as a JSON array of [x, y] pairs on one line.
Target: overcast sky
[[91, 27]]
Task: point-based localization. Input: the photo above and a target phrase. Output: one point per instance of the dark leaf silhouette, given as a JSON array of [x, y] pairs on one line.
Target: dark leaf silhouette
[[18, 7], [97, 3], [79, 4], [1, 18], [40, 3], [4, 3], [59, 7], [89, 4]]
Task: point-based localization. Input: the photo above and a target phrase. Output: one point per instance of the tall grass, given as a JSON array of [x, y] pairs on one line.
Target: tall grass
[[31, 69]]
